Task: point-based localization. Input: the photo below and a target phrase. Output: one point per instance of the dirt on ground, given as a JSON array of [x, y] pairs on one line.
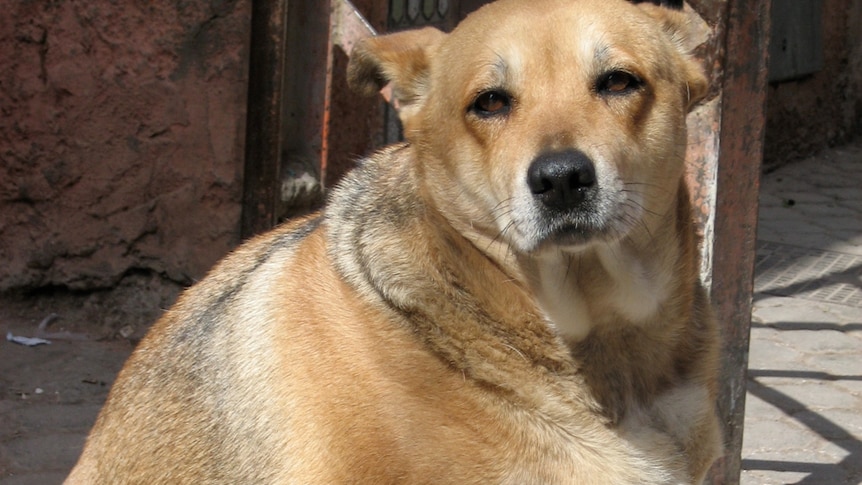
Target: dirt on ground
[[51, 393]]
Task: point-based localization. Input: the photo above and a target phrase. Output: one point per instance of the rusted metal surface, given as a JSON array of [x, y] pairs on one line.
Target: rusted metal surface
[[710, 49], [712, 11], [305, 128], [703, 128], [354, 125], [349, 26], [264, 135], [725, 150], [738, 180], [304, 108], [702, 163]]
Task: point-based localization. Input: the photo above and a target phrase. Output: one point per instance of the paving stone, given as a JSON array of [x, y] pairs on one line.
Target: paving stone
[[840, 424], [847, 366], [771, 439], [821, 342], [853, 387], [767, 351], [757, 409], [811, 394], [782, 310], [804, 405], [758, 477]]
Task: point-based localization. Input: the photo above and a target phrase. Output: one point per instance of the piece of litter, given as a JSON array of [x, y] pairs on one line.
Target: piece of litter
[[43, 325], [39, 390], [28, 341], [127, 331]]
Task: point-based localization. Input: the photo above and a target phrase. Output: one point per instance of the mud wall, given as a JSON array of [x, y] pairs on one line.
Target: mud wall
[[122, 127], [121, 139], [824, 109]]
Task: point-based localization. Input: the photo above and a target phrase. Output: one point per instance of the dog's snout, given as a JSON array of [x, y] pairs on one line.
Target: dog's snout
[[561, 180]]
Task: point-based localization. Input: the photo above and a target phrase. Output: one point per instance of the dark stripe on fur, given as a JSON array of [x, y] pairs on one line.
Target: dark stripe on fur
[[206, 317]]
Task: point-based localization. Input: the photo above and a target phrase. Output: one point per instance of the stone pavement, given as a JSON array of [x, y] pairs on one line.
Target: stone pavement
[[803, 420], [804, 406]]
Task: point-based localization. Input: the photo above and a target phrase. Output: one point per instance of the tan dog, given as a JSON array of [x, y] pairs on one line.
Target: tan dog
[[511, 296]]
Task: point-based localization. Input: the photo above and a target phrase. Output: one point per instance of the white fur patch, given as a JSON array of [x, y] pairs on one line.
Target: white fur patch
[[560, 300], [639, 287], [681, 407]]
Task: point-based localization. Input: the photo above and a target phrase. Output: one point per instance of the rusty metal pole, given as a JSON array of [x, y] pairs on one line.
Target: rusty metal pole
[[304, 128], [264, 135], [742, 125]]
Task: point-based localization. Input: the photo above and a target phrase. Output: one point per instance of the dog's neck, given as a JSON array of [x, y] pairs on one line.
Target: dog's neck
[[576, 290], [637, 295], [629, 281], [624, 282], [464, 306], [488, 312]]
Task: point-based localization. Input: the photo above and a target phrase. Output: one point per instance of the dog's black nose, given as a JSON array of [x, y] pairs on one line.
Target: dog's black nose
[[561, 180]]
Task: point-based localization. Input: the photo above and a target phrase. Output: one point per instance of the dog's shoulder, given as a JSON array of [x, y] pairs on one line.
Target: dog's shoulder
[[382, 190], [375, 221], [232, 276]]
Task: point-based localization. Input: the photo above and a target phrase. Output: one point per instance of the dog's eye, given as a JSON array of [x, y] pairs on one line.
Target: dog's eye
[[618, 82], [491, 103]]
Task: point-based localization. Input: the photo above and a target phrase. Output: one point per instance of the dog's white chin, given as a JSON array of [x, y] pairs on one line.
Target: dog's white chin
[[569, 239], [566, 242], [607, 217]]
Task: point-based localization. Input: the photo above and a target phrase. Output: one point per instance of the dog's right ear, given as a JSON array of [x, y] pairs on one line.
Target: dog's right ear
[[402, 58]]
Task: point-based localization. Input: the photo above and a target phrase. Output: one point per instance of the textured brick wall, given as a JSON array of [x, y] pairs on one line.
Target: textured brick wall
[[121, 138]]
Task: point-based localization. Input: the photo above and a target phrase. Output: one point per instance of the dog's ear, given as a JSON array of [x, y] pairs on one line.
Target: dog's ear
[[678, 25], [402, 58]]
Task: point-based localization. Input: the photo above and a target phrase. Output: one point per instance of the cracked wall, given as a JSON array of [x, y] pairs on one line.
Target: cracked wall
[[121, 139]]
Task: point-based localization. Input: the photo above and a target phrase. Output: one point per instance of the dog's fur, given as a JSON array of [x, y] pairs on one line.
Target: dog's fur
[[452, 315]]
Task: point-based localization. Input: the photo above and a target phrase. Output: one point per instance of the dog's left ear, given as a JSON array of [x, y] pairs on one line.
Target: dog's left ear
[[679, 27], [402, 58]]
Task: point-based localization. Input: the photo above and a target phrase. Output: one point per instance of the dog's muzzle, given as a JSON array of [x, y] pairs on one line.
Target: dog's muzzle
[[565, 189]]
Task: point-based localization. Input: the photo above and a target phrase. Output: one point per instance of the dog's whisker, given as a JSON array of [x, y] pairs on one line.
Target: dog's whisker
[[499, 237], [516, 350], [503, 214], [641, 206], [632, 187], [568, 259], [645, 184]]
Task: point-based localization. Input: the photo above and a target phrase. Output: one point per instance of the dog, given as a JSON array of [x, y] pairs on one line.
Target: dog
[[509, 296]]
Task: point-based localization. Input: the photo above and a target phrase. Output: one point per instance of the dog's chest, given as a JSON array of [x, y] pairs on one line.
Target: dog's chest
[[577, 293]]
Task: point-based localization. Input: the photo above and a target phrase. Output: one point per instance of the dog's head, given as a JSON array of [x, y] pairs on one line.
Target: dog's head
[[549, 123]]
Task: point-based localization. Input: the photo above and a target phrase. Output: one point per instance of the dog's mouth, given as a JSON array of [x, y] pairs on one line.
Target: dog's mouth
[[571, 236], [569, 205], [604, 216], [571, 232]]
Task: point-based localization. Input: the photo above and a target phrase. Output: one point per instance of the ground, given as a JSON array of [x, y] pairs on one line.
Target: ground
[[50, 394]]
